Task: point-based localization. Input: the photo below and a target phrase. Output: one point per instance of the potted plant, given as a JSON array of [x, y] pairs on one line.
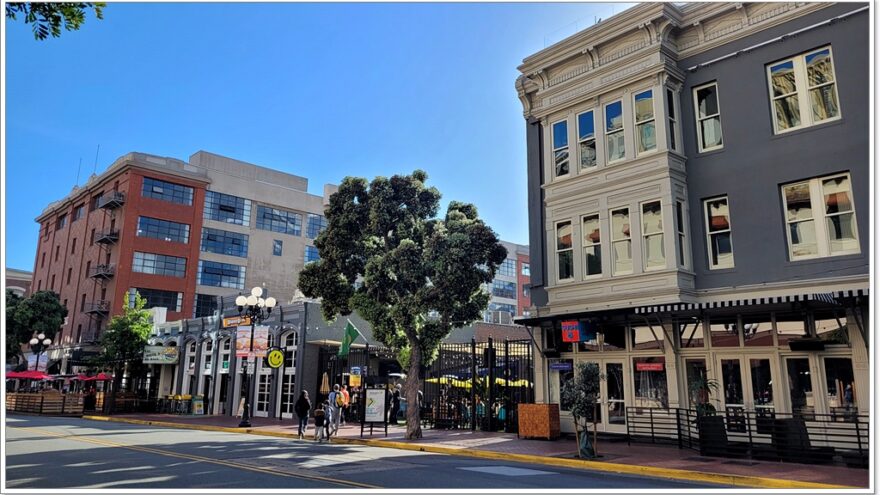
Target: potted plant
[[581, 394], [701, 390]]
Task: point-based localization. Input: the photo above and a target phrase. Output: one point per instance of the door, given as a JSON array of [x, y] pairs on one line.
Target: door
[[287, 399], [611, 410], [264, 385], [800, 386]]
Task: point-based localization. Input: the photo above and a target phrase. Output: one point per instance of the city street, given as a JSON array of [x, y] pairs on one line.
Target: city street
[[47, 452]]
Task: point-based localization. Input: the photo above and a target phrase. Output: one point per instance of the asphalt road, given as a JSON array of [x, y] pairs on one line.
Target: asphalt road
[[46, 452]]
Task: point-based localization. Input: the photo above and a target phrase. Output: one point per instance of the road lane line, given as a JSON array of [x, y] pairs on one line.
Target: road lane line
[[192, 457]]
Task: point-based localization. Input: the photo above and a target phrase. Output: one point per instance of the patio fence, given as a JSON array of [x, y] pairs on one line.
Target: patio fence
[[49, 404]]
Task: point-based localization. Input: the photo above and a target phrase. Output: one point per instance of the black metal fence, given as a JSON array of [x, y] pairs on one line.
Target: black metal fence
[[839, 438]]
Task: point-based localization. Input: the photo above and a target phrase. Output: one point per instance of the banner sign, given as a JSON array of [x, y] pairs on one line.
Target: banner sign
[[32, 360], [561, 366], [242, 341], [158, 354], [261, 341], [649, 366], [374, 411], [236, 321], [354, 379]]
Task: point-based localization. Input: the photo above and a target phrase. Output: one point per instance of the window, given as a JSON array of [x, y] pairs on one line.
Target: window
[[564, 251], [224, 242], [93, 204], [495, 306], [206, 305], [316, 223], [311, 254], [592, 246], [227, 208], [526, 291], [282, 221], [820, 217], [507, 268], [69, 275], [216, 274], [92, 238], [526, 270], [719, 233], [652, 233], [649, 382], [560, 148], [708, 117], [61, 222], [57, 252], [671, 117], [43, 262], [163, 229], [621, 242], [803, 91], [680, 235], [78, 212], [82, 303], [167, 191], [614, 131], [646, 132], [587, 140], [158, 264], [73, 246], [276, 247], [501, 288], [162, 298]]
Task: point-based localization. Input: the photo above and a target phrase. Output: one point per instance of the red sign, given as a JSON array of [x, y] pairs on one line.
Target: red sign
[[649, 366], [571, 331]]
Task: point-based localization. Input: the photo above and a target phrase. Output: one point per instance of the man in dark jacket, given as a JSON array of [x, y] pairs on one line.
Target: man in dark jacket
[[302, 407]]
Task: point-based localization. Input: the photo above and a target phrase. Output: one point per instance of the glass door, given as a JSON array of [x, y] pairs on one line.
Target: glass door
[[733, 393], [264, 384], [800, 387], [287, 398], [613, 391]]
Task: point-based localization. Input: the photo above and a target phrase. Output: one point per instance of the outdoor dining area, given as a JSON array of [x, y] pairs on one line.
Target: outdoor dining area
[[35, 392]]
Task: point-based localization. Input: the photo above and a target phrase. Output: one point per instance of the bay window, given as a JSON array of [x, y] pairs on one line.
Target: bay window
[[621, 242], [587, 140], [652, 234], [646, 132], [560, 148], [615, 140]]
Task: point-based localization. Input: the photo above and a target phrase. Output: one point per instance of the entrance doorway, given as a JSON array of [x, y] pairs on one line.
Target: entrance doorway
[[611, 411], [264, 385]]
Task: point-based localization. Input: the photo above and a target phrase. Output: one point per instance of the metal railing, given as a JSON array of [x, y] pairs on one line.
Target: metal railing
[[112, 199], [841, 437], [107, 237], [97, 307], [103, 271]]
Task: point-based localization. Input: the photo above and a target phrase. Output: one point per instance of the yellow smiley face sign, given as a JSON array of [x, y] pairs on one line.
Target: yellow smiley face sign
[[275, 358]]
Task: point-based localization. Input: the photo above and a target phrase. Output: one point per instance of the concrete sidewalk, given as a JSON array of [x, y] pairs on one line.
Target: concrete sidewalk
[[616, 456]]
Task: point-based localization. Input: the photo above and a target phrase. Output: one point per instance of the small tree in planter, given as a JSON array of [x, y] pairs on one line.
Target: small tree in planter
[[701, 390], [581, 393]]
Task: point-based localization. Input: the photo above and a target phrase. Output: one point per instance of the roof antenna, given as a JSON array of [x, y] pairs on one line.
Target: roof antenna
[[78, 168], [95, 169]]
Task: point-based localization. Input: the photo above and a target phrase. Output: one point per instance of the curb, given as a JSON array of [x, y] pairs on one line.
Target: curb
[[640, 470]]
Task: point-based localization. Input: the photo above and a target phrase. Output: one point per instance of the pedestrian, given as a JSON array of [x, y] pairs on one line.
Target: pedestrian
[[395, 404], [302, 407], [320, 422], [346, 399], [328, 419], [336, 401]]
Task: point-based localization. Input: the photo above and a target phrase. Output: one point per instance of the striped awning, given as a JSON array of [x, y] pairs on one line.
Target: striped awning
[[825, 297]]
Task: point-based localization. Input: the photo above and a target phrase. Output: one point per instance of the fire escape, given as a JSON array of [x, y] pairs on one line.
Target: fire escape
[[104, 271]]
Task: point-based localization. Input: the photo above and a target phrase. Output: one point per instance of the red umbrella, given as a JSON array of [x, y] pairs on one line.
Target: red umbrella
[[101, 377], [13, 374], [29, 375]]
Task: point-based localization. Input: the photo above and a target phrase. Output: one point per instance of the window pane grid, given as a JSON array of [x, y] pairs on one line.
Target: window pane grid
[[311, 254], [216, 274], [163, 229], [162, 298], [507, 268], [227, 208], [167, 191], [503, 288], [224, 242], [316, 223], [281, 221], [159, 264], [803, 90], [708, 117]]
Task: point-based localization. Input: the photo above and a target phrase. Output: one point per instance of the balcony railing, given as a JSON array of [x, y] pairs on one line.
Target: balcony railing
[[112, 200], [98, 308], [107, 237], [103, 271]]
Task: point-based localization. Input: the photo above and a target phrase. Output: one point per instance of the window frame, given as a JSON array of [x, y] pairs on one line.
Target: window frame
[[637, 124], [176, 193], [621, 131], [681, 234], [661, 234], [614, 241], [699, 120], [558, 251], [310, 249], [819, 218], [557, 149], [673, 131], [709, 233], [802, 90], [585, 244], [586, 140]]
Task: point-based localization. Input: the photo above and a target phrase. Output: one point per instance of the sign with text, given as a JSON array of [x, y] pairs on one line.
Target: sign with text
[[158, 354], [374, 410], [354, 379], [236, 321], [561, 366], [649, 366]]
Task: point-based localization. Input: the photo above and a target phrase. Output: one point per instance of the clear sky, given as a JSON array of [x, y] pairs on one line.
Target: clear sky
[[318, 90]]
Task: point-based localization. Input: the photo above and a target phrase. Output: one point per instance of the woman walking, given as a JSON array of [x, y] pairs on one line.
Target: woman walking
[[301, 408]]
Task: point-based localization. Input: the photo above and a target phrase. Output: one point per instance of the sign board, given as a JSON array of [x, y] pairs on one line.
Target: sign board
[[198, 405], [236, 321], [158, 354], [649, 366], [242, 341], [561, 366], [225, 366], [374, 410], [261, 341], [32, 361], [354, 378], [578, 331], [275, 358]]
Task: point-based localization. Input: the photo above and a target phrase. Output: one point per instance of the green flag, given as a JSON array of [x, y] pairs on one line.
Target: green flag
[[351, 333]]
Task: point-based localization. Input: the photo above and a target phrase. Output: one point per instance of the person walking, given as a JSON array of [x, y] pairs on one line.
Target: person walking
[[320, 421], [336, 401], [302, 407], [395, 405]]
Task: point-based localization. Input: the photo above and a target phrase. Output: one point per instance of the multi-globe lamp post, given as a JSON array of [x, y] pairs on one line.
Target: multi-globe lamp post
[[256, 309], [38, 345]]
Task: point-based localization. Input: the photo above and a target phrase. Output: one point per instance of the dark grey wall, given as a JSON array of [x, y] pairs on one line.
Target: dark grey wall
[[754, 162], [537, 256]]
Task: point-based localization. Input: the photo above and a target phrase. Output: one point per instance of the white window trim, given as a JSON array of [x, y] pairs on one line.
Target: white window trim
[[802, 90], [586, 140], [554, 148], [681, 234], [817, 205], [699, 120], [709, 233], [674, 131], [557, 250], [606, 134], [636, 123], [614, 241], [644, 235], [587, 244]]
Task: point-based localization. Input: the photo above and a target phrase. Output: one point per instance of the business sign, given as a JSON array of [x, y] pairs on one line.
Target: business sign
[[374, 410], [354, 378], [198, 406], [649, 366], [275, 358], [578, 331], [243, 341], [261, 341], [561, 366], [157, 354], [236, 321]]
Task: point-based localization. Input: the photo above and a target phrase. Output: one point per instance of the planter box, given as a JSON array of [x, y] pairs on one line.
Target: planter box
[[538, 421]]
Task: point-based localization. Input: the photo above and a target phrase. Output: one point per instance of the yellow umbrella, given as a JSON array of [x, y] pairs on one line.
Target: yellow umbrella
[[325, 384]]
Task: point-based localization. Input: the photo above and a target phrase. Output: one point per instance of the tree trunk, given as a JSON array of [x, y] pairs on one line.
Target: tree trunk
[[413, 423]]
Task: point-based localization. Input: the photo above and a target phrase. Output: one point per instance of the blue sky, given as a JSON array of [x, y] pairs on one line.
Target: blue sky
[[318, 90]]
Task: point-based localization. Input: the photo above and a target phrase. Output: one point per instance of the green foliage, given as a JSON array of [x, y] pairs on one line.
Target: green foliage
[[126, 336], [48, 18], [27, 317], [385, 234], [701, 389], [581, 391]]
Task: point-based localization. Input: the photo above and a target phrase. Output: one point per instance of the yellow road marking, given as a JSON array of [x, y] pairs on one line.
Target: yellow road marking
[[192, 457]]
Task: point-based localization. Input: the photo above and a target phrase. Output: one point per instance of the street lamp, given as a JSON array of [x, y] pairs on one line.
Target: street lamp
[[256, 309], [38, 345]]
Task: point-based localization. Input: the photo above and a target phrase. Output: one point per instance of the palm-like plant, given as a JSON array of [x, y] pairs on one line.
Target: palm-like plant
[[701, 389]]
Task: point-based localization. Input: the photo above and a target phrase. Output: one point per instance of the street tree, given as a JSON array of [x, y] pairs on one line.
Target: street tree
[[122, 345], [580, 396], [42, 312], [49, 18], [412, 276]]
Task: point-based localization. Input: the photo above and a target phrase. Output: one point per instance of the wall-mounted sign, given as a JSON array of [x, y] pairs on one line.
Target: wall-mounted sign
[[236, 321], [157, 354], [578, 331], [561, 366], [649, 366], [275, 357]]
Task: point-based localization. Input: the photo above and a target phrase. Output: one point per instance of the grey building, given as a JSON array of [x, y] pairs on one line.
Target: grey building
[[698, 182]]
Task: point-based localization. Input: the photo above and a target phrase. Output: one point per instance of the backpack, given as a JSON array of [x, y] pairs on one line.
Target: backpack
[[340, 400]]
